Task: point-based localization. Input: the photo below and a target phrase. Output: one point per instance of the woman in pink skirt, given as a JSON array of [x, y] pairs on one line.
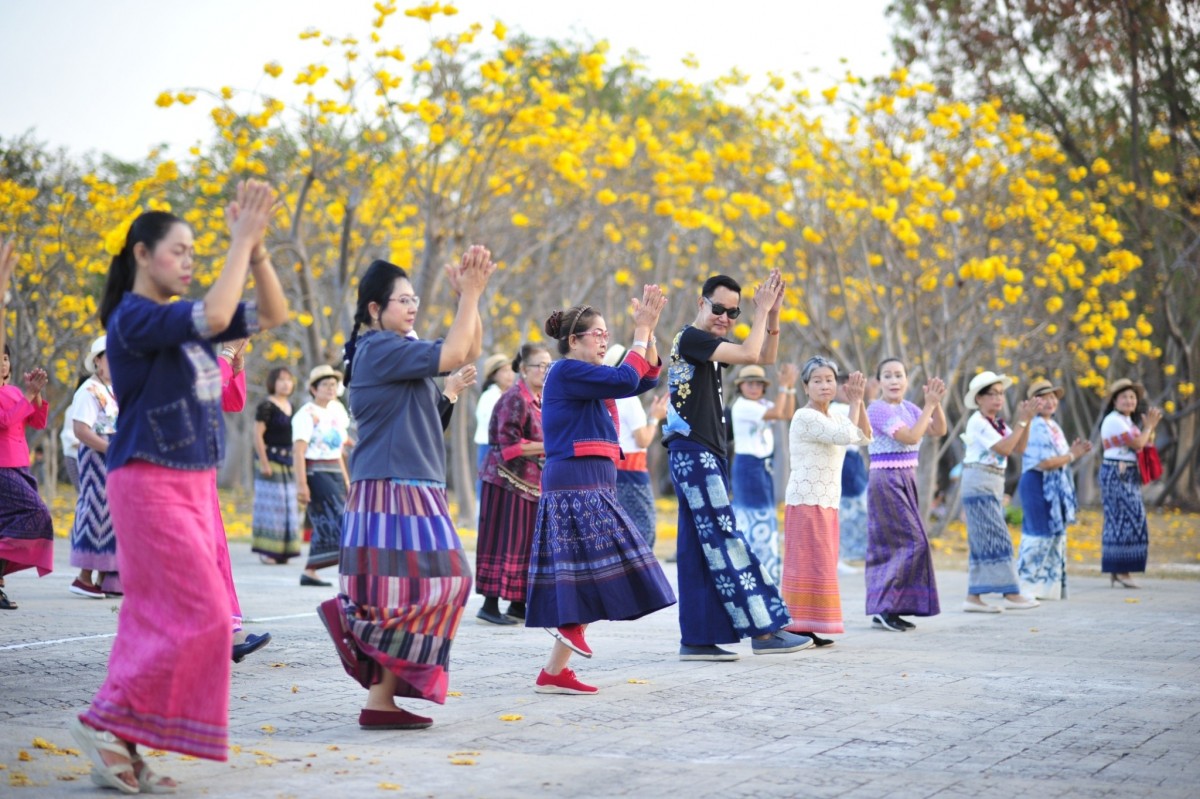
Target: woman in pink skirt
[[168, 674], [818, 442]]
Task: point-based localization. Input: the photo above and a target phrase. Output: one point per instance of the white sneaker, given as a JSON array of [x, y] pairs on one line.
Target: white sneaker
[[846, 568]]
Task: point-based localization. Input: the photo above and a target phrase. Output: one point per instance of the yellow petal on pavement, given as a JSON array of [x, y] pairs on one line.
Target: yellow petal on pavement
[[511, 717]]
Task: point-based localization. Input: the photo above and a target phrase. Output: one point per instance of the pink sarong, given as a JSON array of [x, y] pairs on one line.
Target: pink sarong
[[168, 674], [221, 542], [810, 556]]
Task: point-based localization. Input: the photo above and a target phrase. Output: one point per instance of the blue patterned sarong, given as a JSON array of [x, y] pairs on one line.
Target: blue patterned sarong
[[725, 594], [990, 568], [1125, 542]]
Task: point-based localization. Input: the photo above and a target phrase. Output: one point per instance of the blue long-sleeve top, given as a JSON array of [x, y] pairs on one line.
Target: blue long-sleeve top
[[579, 410]]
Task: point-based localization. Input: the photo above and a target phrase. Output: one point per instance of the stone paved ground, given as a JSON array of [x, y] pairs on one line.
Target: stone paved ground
[[1098, 696]]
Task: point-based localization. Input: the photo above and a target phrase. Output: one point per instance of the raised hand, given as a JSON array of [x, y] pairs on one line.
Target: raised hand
[[789, 373], [1154, 416], [769, 293], [647, 311], [1080, 447], [35, 381], [856, 387], [1029, 409], [249, 214], [935, 391], [459, 380], [475, 269]]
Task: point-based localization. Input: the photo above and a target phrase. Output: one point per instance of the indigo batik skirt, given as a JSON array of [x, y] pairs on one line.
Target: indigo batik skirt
[[589, 562], [1125, 542]]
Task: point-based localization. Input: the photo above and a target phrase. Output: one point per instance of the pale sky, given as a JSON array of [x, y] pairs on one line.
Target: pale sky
[[84, 73]]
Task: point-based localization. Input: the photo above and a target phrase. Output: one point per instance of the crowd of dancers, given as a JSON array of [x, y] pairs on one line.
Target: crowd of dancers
[[566, 525]]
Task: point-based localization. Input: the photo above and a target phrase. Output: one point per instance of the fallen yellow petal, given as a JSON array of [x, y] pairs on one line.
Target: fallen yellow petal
[[633, 681], [511, 717], [1132, 601], [295, 689], [19, 780], [279, 665], [267, 728], [333, 748], [1033, 629], [454, 693], [388, 786], [24, 756], [265, 761], [462, 761]]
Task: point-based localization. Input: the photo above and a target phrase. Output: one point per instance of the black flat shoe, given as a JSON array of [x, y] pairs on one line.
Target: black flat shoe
[[6, 603], [516, 610], [494, 617], [818, 640], [306, 580], [252, 644]]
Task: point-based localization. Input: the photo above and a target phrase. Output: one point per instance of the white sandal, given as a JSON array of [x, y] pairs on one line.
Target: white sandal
[[93, 742], [148, 780]]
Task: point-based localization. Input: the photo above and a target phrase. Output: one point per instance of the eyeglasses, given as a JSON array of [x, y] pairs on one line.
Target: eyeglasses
[[597, 333], [718, 309], [537, 367], [407, 300]]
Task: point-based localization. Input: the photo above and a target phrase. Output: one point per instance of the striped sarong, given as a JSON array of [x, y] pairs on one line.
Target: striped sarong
[[404, 582], [275, 529], [502, 549], [810, 558]]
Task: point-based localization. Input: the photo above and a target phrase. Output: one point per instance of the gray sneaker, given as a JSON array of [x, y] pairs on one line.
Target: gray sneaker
[[710, 652], [780, 643]]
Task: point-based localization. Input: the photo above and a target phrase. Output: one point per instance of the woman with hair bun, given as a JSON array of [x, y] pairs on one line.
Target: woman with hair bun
[[168, 673], [512, 478], [404, 576], [589, 561]]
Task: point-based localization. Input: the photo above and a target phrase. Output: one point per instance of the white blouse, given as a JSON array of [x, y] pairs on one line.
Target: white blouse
[[1118, 429], [818, 447]]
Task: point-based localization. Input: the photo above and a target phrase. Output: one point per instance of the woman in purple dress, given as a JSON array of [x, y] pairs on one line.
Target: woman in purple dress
[[900, 579]]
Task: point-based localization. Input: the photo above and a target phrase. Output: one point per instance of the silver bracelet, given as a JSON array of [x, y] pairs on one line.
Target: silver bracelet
[[640, 343]]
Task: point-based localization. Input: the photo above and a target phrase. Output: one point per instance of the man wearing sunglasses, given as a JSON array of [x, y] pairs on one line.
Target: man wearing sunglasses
[[725, 594]]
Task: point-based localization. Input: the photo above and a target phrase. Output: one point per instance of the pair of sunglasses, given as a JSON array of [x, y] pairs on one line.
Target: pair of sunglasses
[[718, 309]]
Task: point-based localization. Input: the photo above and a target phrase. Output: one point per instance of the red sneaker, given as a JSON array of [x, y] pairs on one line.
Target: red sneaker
[[565, 682], [572, 636]]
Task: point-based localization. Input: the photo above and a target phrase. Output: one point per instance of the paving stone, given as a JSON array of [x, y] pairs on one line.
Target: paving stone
[[1095, 696]]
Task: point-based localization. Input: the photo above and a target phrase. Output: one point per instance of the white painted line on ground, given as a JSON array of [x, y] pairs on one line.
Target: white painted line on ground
[[280, 618], [57, 641]]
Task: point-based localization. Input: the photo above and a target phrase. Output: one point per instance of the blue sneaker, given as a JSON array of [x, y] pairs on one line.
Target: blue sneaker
[[780, 643], [709, 652]]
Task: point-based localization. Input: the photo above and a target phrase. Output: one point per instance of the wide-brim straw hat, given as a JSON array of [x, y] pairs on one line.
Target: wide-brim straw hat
[[321, 372], [981, 381], [752, 372], [1120, 385], [614, 355], [1041, 387], [492, 364], [99, 346]]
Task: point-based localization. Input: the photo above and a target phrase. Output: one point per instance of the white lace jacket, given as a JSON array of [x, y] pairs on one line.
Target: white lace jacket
[[818, 447]]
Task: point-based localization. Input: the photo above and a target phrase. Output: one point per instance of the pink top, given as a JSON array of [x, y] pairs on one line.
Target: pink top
[[16, 413], [233, 388]]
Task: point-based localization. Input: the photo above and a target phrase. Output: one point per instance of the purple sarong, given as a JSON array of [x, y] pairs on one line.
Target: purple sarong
[[899, 569]]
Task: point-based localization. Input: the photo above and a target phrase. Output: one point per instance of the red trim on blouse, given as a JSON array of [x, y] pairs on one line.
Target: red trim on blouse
[[603, 449]]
